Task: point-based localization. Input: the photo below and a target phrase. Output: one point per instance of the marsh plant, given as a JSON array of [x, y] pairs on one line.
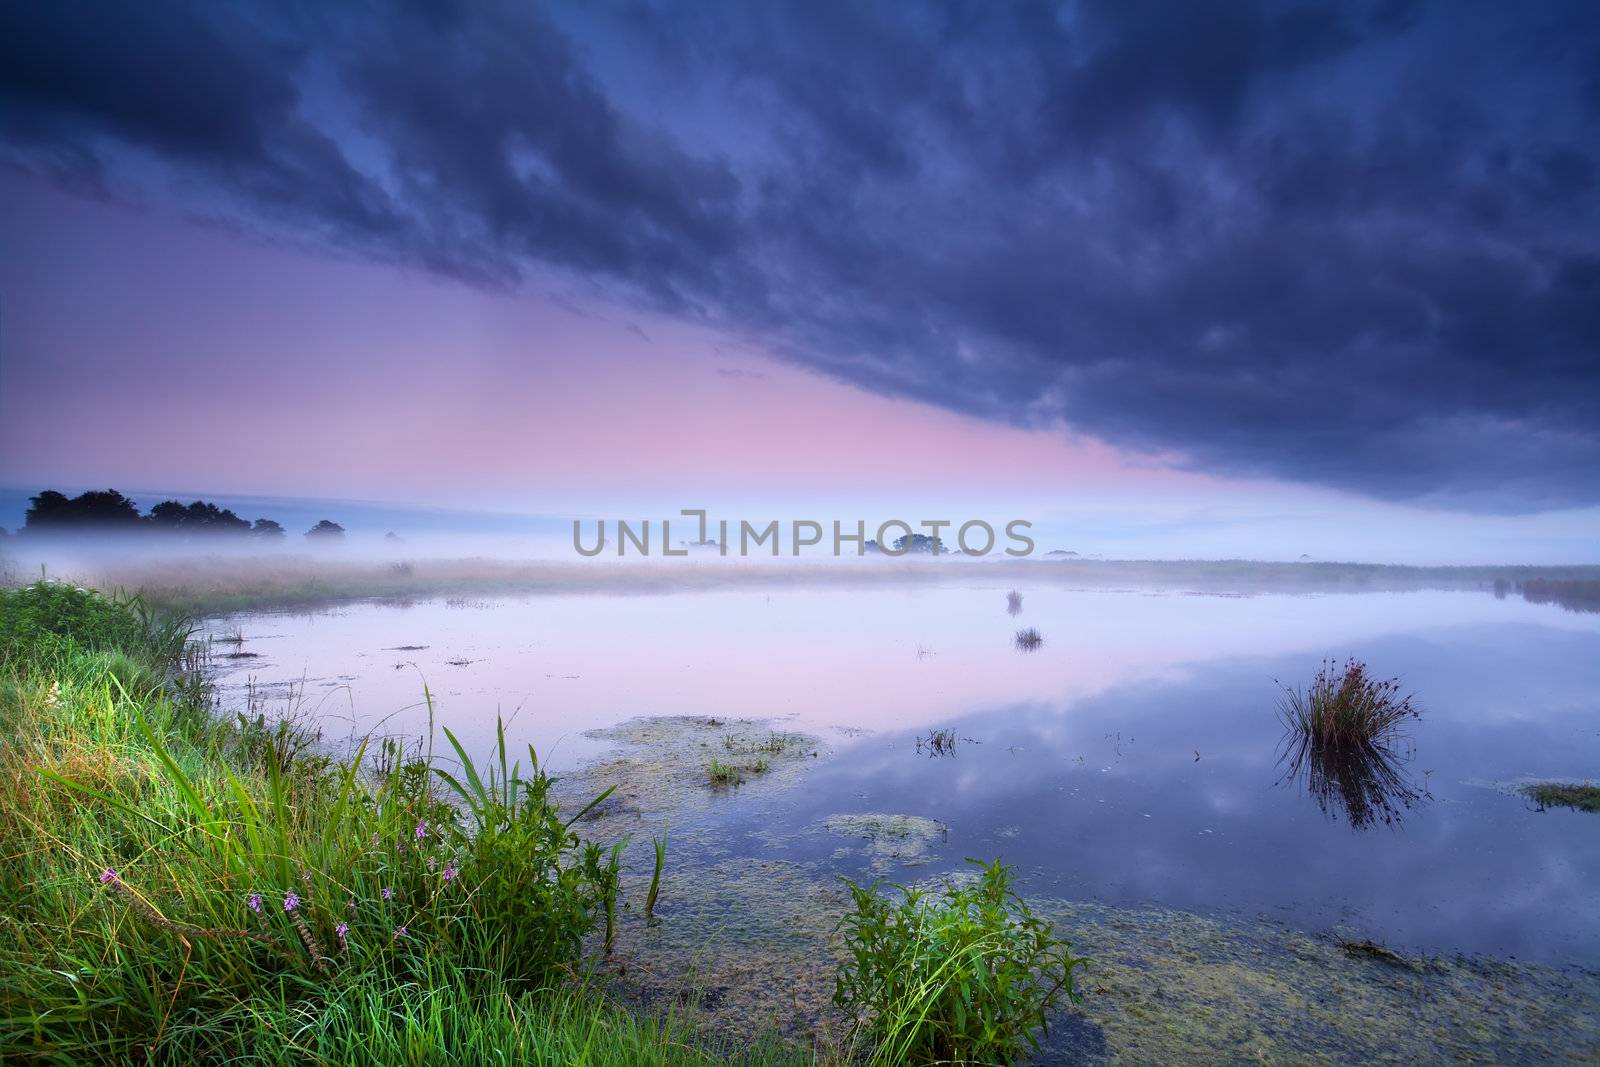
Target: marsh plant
[[938, 743], [1343, 740], [775, 743], [1346, 707], [1013, 603], [969, 975], [723, 774], [659, 844], [1548, 795], [181, 886], [1029, 640]]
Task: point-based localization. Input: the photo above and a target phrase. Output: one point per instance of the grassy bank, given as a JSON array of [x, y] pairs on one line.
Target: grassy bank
[[179, 887]]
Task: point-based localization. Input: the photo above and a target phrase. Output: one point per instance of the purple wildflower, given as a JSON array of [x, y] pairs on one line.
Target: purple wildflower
[[422, 829], [449, 874], [254, 903], [388, 893], [291, 902], [108, 876], [341, 930], [401, 932]]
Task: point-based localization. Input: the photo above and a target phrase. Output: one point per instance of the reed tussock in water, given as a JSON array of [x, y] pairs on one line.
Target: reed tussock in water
[[1029, 640], [1346, 707]]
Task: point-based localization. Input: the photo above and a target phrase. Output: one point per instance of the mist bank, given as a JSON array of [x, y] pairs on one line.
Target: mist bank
[[214, 583]]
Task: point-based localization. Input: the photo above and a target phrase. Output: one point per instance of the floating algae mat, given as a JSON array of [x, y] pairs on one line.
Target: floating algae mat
[[754, 942]]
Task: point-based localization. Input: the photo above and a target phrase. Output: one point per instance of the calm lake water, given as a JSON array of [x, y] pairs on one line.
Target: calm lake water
[[1135, 757]]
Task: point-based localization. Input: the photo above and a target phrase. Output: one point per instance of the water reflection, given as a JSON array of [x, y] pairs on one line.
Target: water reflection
[[1364, 781], [1128, 759]]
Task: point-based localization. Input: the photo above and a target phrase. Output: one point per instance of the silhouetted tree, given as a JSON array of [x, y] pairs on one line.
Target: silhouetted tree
[[168, 514], [326, 530], [919, 543], [200, 516], [51, 510], [267, 530]]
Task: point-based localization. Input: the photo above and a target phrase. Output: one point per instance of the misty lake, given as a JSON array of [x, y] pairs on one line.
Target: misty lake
[[1134, 758]]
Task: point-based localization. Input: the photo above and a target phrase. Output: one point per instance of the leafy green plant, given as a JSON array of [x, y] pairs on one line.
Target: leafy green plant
[[537, 886], [971, 975]]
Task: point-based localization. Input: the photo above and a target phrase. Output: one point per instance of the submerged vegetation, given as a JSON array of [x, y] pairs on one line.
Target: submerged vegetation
[[1584, 797], [969, 976]]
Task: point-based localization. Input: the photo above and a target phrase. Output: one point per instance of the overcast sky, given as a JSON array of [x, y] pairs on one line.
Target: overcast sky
[[1167, 260]]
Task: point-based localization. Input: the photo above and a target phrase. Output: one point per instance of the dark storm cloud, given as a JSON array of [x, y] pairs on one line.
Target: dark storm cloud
[[1350, 245]]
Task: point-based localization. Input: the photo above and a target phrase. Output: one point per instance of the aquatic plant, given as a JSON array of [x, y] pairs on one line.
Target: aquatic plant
[[659, 843], [775, 743], [969, 976], [1564, 795], [938, 743], [1343, 739], [723, 774], [1013, 603], [719, 773], [1345, 706], [1029, 640]]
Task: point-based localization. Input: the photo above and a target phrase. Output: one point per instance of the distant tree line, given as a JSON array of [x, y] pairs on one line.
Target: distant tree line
[[108, 511]]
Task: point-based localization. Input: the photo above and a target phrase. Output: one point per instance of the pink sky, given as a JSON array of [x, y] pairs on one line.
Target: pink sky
[[210, 359], [138, 349]]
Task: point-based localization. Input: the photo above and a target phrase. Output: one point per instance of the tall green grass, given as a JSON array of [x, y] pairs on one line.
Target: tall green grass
[[177, 886]]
